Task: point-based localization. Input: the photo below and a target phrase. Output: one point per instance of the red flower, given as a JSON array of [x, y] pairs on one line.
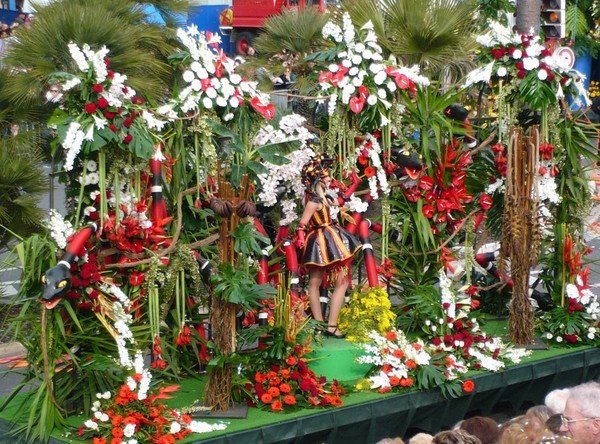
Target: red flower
[[136, 278], [468, 386], [289, 400], [112, 127], [266, 398], [102, 103], [391, 336], [485, 201], [498, 53], [428, 211], [117, 432], [276, 406], [128, 138], [426, 183], [97, 88], [357, 104], [90, 108], [370, 171], [274, 392]]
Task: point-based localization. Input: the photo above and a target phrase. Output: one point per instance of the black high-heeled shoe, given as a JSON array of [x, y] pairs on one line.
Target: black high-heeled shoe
[[332, 334]]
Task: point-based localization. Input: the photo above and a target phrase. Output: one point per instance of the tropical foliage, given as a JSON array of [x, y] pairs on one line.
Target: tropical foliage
[[178, 169]]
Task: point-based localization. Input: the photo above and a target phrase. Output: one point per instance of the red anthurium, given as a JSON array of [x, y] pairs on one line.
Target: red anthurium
[[459, 178], [205, 84], [267, 111], [412, 194], [426, 182], [363, 92], [136, 278], [356, 104], [485, 201], [430, 196], [428, 211], [325, 77], [404, 82]]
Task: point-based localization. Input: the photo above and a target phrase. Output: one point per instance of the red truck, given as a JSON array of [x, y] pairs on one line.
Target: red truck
[[243, 19]]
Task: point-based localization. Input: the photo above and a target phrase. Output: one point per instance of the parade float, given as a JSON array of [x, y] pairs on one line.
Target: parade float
[[172, 299]]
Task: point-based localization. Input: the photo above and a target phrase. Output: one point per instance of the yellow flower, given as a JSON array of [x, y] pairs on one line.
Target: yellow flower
[[364, 385]]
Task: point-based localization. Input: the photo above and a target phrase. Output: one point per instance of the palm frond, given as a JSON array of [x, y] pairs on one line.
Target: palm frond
[[437, 36], [137, 49]]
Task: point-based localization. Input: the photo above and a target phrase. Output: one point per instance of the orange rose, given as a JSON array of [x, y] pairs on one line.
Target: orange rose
[[273, 391], [394, 381], [370, 171], [266, 398], [285, 388], [290, 360], [289, 400], [391, 336], [468, 386], [276, 406], [398, 354]]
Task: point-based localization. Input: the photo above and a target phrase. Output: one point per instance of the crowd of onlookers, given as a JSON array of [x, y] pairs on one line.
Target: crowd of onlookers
[[570, 415], [8, 31]]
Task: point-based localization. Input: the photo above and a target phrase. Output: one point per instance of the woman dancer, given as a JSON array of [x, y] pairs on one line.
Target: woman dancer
[[326, 248]]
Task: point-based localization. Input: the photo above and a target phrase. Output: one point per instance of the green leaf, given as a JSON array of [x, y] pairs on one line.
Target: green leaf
[[275, 152]]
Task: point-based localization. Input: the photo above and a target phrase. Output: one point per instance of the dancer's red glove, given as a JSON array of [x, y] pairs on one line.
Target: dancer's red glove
[[300, 238]]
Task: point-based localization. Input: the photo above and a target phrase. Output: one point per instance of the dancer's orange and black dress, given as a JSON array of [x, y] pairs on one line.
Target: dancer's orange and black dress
[[327, 245]]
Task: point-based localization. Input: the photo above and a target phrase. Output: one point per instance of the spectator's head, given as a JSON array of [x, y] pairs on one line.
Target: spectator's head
[[455, 437], [580, 418], [391, 441], [517, 433], [54, 94], [538, 415], [421, 438], [250, 50], [556, 400], [554, 423], [483, 427], [14, 129]]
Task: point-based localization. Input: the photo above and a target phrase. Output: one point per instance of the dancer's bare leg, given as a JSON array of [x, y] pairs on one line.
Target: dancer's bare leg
[[315, 278], [336, 301]]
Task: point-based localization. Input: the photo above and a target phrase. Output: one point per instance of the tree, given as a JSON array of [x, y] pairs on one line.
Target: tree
[[528, 16]]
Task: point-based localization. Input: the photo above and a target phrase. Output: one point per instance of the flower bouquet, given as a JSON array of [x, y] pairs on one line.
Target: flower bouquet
[[400, 364], [529, 69], [444, 316], [103, 110], [576, 320], [368, 310], [292, 385]]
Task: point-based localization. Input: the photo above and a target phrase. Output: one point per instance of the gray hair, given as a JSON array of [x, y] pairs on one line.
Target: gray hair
[[587, 398]]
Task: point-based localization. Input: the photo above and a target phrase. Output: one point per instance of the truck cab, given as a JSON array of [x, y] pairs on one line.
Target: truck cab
[[244, 18]]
